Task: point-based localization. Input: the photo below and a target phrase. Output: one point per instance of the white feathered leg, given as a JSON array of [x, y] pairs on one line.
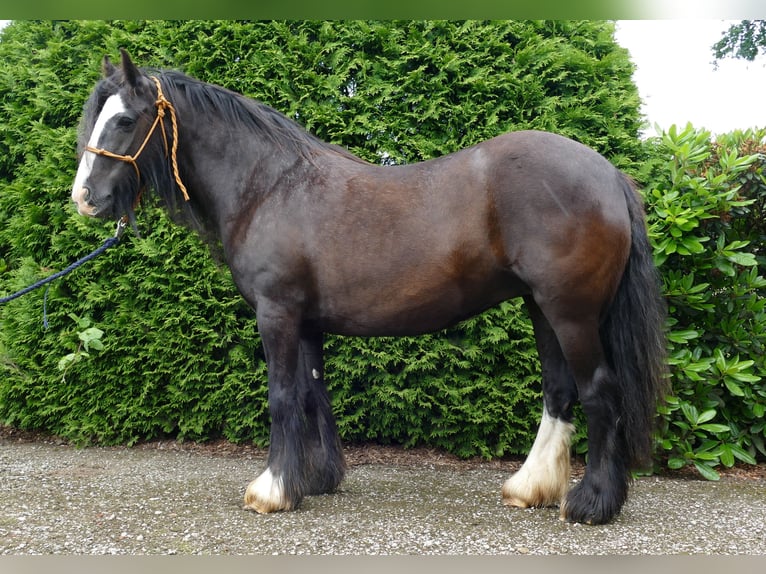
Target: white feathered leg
[[543, 479]]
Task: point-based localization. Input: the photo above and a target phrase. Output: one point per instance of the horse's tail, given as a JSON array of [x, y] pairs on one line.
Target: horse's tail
[[633, 336]]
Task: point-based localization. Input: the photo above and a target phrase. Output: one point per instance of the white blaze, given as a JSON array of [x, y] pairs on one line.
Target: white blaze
[[113, 106]]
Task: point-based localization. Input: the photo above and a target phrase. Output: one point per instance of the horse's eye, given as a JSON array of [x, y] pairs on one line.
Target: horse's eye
[[125, 122]]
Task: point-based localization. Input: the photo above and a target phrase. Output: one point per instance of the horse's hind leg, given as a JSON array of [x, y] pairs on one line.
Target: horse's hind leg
[[601, 493], [305, 455], [543, 479]]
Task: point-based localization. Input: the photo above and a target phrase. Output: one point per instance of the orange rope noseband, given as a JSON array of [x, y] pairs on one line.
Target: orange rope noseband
[[162, 104]]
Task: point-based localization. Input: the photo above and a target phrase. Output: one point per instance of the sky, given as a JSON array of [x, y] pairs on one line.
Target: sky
[[678, 82]]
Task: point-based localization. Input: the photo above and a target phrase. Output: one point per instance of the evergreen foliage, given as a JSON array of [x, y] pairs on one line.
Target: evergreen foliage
[[180, 352], [706, 206]]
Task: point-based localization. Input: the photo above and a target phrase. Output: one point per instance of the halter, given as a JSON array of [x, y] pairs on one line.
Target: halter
[[162, 104]]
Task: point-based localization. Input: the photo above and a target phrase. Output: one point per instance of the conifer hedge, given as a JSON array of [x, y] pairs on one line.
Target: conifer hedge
[[152, 340]]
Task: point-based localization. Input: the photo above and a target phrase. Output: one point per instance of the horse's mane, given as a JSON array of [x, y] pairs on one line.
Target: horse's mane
[[236, 109]]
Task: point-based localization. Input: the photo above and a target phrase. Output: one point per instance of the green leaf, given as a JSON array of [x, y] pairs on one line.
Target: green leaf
[[706, 416], [683, 336], [744, 259], [676, 463], [742, 454], [707, 472], [693, 245], [727, 456], [733, 387], [66, 361], [690, 412], [745, 377], [714, 428]]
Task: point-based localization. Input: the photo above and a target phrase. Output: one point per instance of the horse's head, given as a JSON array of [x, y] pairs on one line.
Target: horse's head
[[117, 123]]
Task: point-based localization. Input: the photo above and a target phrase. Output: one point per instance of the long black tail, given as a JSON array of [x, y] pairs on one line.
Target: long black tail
[[633, 336]]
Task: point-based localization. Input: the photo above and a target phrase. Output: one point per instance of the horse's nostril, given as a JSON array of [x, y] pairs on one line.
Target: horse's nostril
[[81, 197]]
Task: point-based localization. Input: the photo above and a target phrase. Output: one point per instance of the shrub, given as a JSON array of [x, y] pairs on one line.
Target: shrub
[[705, 204]]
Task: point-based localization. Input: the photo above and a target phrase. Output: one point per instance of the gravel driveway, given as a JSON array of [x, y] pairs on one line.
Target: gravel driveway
[[171, 499]]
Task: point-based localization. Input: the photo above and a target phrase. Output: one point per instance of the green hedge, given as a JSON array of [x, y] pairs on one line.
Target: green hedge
[[152, 339]]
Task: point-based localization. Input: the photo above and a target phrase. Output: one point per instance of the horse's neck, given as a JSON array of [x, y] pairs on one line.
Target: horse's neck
[[230, 171]]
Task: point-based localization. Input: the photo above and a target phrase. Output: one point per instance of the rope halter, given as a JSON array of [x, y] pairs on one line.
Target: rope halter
[[161, 104]]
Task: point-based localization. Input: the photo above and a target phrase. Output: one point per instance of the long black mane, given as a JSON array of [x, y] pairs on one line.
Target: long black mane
[[250, 114]]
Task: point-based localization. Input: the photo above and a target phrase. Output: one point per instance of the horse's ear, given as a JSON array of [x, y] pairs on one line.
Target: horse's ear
[[129, 69], [107, 68]]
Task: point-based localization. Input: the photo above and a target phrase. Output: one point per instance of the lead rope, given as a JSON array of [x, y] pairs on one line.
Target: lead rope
[[114, 240]]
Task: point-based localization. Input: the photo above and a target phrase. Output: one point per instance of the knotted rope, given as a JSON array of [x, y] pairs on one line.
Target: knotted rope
[[162, 104]]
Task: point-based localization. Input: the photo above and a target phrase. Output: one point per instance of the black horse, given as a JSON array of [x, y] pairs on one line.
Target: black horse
[[320, 241]]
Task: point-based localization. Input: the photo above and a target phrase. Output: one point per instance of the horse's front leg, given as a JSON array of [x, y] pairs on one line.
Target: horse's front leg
[[324, 464], [305, 455]]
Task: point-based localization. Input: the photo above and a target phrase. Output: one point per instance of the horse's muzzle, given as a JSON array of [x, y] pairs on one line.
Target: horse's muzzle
[[81, 199]]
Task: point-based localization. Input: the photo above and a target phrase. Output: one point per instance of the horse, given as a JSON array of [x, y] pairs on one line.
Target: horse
[[320, 241]]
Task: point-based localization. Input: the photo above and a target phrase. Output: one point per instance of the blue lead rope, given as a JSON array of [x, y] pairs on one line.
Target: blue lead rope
[[107, 244]]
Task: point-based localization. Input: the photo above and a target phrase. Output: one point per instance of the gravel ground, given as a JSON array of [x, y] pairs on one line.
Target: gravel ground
[[173, 499]]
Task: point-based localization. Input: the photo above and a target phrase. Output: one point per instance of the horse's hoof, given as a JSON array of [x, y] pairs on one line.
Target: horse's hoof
[[537, 488], [584, 506], [521, 496], [515, 502], [266, 494]]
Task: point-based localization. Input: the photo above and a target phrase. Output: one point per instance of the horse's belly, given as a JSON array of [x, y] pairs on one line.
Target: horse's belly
[[412, 307]]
